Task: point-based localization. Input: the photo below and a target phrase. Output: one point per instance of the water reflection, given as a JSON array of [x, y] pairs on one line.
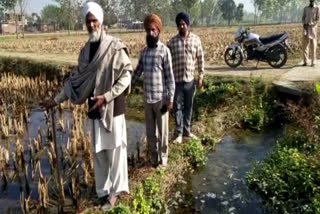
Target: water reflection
[[221, 187], [9, 198]]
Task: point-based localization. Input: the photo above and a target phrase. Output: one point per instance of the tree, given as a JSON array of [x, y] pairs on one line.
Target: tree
[[183, 5], [1, 14], [239, 12], [35, 21], [189, 6], [22, 5], [207, 8], [6, 5], [278, 10], [135, 9], [195, 13], [228, 8], [257, 7], [138, 9], [110, 8], [69, 13], [50, 14]]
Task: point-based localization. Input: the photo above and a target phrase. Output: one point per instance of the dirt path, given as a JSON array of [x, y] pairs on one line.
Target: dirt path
[[292, 72]]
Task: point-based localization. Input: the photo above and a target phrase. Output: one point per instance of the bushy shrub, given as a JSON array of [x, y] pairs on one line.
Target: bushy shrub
[[289, 180]]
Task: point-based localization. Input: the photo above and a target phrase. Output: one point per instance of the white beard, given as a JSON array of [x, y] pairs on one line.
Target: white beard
[[95, 35]]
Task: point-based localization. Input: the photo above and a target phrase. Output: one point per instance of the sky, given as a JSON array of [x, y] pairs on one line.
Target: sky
[[37, 5], [248, 6]]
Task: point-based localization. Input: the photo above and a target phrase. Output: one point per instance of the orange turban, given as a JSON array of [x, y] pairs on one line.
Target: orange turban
[[153, 18]]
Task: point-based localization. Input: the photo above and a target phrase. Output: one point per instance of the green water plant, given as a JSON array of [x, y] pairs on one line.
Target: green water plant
[[259, 109], [209, 141], [147, 199], [120, 209], [215, 92], [195, 153], [289, 179]]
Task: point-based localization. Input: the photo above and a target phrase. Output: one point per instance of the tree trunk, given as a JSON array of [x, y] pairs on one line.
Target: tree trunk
[[22, 18], [17, 26], [69, 16], [255, 16], [69, 26]]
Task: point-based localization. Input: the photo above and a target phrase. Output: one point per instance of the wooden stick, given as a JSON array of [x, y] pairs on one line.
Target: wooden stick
[[61, 200]]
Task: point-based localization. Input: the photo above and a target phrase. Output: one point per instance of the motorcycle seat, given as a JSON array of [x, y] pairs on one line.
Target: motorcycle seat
[[269, 39]]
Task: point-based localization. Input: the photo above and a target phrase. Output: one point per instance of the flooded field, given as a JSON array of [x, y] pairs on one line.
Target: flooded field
[[30, 156]]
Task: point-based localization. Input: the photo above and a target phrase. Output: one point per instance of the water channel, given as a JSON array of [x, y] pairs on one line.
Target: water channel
[[220, 187]]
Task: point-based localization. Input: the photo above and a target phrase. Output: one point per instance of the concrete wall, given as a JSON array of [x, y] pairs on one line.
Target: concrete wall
[[7, 28]]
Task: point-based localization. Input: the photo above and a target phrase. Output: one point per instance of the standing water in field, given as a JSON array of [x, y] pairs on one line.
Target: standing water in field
[[9, 197], [220, 187]]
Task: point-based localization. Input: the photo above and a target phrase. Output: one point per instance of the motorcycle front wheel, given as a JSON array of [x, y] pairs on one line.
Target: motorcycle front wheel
[[277, 56], [233, 57]]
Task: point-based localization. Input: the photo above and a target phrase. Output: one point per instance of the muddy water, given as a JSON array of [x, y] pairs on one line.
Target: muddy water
[[9, 198], [220, 187]]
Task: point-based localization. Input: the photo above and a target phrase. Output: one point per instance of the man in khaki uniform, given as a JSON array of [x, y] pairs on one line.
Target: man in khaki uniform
[[310, 20]]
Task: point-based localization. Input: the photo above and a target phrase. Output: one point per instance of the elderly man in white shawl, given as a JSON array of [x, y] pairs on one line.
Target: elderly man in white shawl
[[102, 77]]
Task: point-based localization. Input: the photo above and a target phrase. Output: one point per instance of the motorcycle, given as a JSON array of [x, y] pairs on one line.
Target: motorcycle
[[250, 46]]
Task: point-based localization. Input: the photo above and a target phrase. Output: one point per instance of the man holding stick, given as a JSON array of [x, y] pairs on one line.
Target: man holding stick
[[102, 78]]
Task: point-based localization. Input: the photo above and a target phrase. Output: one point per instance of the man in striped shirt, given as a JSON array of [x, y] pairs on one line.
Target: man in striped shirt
[[187, 54], [158, 83]]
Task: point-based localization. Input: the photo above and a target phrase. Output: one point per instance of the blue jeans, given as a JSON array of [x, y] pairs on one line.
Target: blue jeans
[[182, 107]]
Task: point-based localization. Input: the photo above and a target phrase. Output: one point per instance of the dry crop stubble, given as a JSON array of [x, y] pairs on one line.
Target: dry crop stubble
[[214, 41]]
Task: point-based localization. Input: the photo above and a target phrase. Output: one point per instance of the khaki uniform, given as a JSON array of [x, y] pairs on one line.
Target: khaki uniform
[[311, 18]]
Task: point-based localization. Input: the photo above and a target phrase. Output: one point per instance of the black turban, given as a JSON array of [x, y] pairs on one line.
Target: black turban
[[183, 16]]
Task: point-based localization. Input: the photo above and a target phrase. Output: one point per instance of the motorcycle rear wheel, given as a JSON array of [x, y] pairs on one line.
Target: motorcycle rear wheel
[[277, 56], [233, 57]]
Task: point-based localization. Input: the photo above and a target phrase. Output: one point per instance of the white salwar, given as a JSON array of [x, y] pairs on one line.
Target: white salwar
[[110, 157]]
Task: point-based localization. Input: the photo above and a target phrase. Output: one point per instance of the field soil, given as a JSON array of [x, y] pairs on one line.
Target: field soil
[[292, 71], [61, 48]]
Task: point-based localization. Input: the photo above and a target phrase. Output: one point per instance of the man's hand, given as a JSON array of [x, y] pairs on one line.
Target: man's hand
[[100, 100], [199, 83], [169, 106], [48, 104]]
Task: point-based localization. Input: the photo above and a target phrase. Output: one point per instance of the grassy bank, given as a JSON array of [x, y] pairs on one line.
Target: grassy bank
[[289, 179], [31, 68], [222, 104]]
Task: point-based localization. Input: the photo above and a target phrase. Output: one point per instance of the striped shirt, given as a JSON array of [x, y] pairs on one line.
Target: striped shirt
[[158, 79], [186, 53]]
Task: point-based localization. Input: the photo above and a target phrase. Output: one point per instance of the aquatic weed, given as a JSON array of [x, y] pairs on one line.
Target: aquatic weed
[[195, 153]]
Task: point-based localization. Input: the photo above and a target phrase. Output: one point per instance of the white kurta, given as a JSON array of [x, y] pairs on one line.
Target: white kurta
[[109, 140], [110, 157]]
